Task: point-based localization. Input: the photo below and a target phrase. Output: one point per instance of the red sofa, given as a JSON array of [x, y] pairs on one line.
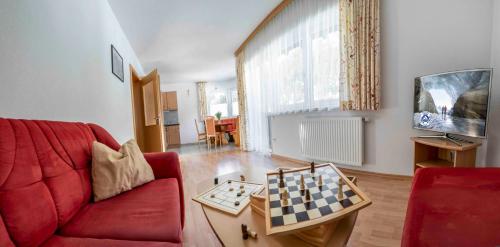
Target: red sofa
[[46, 192], [453, 207]]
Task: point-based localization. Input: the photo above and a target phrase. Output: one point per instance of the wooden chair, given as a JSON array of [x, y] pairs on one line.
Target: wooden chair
[[200, 136], [236, 132], [211, 132]]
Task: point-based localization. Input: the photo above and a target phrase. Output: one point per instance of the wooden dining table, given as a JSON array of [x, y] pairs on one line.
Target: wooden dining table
[[222, 127]]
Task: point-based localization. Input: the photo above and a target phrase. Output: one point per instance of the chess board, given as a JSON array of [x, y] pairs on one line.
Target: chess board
[[324, 204], [224, 199]]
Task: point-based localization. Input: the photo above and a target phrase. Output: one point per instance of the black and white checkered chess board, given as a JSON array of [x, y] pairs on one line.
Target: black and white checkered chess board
[[324, 199]]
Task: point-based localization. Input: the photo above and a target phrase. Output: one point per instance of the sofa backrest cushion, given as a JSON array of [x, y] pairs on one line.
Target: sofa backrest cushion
[[44, 176]]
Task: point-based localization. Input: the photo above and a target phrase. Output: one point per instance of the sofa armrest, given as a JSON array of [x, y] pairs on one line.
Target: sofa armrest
[[453, 207], [167, 165]]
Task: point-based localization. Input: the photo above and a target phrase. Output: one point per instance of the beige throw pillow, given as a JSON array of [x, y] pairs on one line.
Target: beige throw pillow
[[116, 172]]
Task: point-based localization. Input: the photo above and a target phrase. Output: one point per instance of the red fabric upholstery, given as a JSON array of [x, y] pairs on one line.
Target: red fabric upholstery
[[5, 240], [167, 165], [104, 137], [144, 213], [453, 207], [45, 182], [58, 241]]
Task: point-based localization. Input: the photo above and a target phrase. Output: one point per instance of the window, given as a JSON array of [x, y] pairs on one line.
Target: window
[[217, 103], [223, 100], [326, 67], [293, 65]]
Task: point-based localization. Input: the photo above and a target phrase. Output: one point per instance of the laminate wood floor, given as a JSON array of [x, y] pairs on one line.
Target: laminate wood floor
[[380, 224]]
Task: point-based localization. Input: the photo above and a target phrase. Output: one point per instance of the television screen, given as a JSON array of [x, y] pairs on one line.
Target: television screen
[[454, 102]]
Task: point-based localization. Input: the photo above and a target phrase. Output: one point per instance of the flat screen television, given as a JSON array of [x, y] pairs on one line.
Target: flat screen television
[[453, 102]]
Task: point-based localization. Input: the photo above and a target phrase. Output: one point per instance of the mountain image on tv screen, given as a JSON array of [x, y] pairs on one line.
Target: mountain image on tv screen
[[455, 102]]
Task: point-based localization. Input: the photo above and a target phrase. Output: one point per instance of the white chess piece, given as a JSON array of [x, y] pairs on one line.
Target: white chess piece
[[284, 197]]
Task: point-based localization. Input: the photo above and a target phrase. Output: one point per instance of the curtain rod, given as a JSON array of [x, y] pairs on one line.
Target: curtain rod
[[263, 24]]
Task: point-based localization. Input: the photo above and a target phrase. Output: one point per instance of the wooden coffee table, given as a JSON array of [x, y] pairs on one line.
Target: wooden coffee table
[[228, 227]]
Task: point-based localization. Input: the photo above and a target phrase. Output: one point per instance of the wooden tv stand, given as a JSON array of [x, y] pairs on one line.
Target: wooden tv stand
[[430, 152]]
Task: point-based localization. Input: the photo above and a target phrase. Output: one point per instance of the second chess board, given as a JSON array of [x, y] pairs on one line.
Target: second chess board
[[227, 196]]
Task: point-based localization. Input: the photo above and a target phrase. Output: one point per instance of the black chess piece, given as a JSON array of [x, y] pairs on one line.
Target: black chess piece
[[312, 167], [282, 183], [244, 231], [216, 181], [308, 195]]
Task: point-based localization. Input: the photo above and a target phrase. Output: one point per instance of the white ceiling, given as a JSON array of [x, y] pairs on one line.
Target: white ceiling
[[189, 40]]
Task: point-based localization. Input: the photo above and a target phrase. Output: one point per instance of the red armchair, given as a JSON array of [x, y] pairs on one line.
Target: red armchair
[[453, 207], [45, 191]]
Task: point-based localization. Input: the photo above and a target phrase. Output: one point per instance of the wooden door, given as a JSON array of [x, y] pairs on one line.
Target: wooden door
[[172, 101], [164, 101], [148, 111]]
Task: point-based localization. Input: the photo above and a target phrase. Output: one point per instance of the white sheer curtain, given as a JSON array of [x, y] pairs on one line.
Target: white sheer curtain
[[292, 65]]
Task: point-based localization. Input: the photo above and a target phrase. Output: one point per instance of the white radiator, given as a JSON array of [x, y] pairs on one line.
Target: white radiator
[[336, 140]]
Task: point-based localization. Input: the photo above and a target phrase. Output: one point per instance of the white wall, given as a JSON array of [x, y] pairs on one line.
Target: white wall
[[493, 157], [55, 64], [187, 108], [418, 38]]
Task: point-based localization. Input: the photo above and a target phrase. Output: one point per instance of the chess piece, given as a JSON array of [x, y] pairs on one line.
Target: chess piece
[[282, 180], [302, 185], [282, 184], [242, 178], [212, 196], [238, 194], [244, 231], [308, 195], [216, 181], [231, 189], [320, 181], [284, 197], [236, 203], [312, 167], [251, 233], [229, 181]]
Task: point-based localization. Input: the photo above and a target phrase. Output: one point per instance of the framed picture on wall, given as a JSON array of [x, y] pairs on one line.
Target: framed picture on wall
[[117, 63]]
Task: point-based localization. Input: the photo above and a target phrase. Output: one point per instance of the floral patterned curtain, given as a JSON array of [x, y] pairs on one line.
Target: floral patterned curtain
[[242, 103], [360, 54], [202, 99]]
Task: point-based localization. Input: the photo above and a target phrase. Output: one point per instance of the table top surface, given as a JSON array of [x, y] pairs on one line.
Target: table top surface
[[228, 227]]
